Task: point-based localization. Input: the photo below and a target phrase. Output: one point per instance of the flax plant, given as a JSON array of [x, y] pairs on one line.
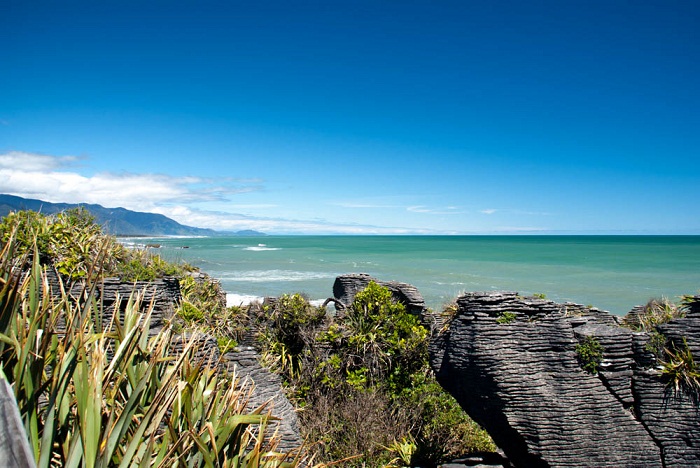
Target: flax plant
[[94, 389]]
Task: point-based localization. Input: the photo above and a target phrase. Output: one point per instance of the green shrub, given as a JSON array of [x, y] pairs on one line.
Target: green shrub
[[590, 354], [75, 245], [202, 306], [505, 317], [190, 313], [143, 265], [70, 241], [226, 344], [364, 382], [288, 328], [443, 430], [656, 343]]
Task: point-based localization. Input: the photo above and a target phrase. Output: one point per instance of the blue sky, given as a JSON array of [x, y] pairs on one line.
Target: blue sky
[[374, 117]]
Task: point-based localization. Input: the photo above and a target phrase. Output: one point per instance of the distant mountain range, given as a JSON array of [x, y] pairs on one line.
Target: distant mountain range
[[118, 221]]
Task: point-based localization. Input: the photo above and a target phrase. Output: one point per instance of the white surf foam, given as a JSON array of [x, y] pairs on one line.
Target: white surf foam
[[262, 276], [237, 300]]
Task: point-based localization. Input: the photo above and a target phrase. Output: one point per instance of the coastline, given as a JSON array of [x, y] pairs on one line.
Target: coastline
[[614, 273]]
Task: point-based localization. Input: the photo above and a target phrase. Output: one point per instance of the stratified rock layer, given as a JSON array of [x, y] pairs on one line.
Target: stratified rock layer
[[346, 287], [512, 364]]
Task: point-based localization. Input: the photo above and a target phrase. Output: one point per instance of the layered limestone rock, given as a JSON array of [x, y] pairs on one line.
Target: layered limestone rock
[[346, 287], [512, 363], [266, 389]]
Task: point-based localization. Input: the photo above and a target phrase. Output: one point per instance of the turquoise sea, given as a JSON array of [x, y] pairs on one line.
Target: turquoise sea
[[614, 273]]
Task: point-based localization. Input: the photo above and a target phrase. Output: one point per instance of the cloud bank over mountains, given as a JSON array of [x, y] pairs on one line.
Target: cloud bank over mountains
[[193, 201]]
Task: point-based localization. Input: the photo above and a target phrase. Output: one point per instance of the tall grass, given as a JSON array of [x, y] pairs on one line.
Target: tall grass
[[95, 390]]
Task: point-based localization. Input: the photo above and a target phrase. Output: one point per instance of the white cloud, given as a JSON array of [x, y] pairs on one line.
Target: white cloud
[[193, 201], [50, 178], [363, 205], [447, 210], [224, 221], [21, 161], [45, 177], [488, 211]]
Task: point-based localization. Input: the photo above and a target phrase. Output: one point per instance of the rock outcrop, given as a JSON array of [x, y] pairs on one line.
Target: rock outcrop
[[512, 364], [266, 389], [346, 287]]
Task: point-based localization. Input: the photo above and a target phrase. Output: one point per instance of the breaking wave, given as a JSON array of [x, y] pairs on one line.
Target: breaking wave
[[261, 248], [262, 276]]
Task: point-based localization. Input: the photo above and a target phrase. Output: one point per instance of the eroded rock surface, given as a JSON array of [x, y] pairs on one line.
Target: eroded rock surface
[[346, 287], [512, 364]]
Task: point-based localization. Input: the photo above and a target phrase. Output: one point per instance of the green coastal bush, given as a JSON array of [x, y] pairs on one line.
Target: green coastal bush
[[364, 383], [70, 241], [590, 354], [74, 244], [655, 312], [203, 306]]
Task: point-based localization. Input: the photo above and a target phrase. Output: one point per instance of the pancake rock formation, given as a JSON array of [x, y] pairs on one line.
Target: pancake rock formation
[[346, 287], [516, 365]]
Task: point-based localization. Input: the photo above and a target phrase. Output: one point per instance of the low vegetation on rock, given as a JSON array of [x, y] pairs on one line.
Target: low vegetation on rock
[[363, 381], [677, 363], [590, 354], [681, 371], [654, 313], [505, 317]]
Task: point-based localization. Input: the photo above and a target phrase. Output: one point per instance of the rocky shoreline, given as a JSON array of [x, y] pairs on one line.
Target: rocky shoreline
[[522, 381], [513, 364]]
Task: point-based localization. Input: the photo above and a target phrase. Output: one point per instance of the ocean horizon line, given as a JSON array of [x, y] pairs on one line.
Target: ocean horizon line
[[552, 234]]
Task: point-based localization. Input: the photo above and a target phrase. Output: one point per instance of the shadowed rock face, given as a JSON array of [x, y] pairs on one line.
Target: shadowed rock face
[[521, 380]]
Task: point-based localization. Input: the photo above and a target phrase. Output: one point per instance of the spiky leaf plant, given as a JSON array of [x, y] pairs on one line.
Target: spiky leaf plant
[[681, 372], [95, 390]]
